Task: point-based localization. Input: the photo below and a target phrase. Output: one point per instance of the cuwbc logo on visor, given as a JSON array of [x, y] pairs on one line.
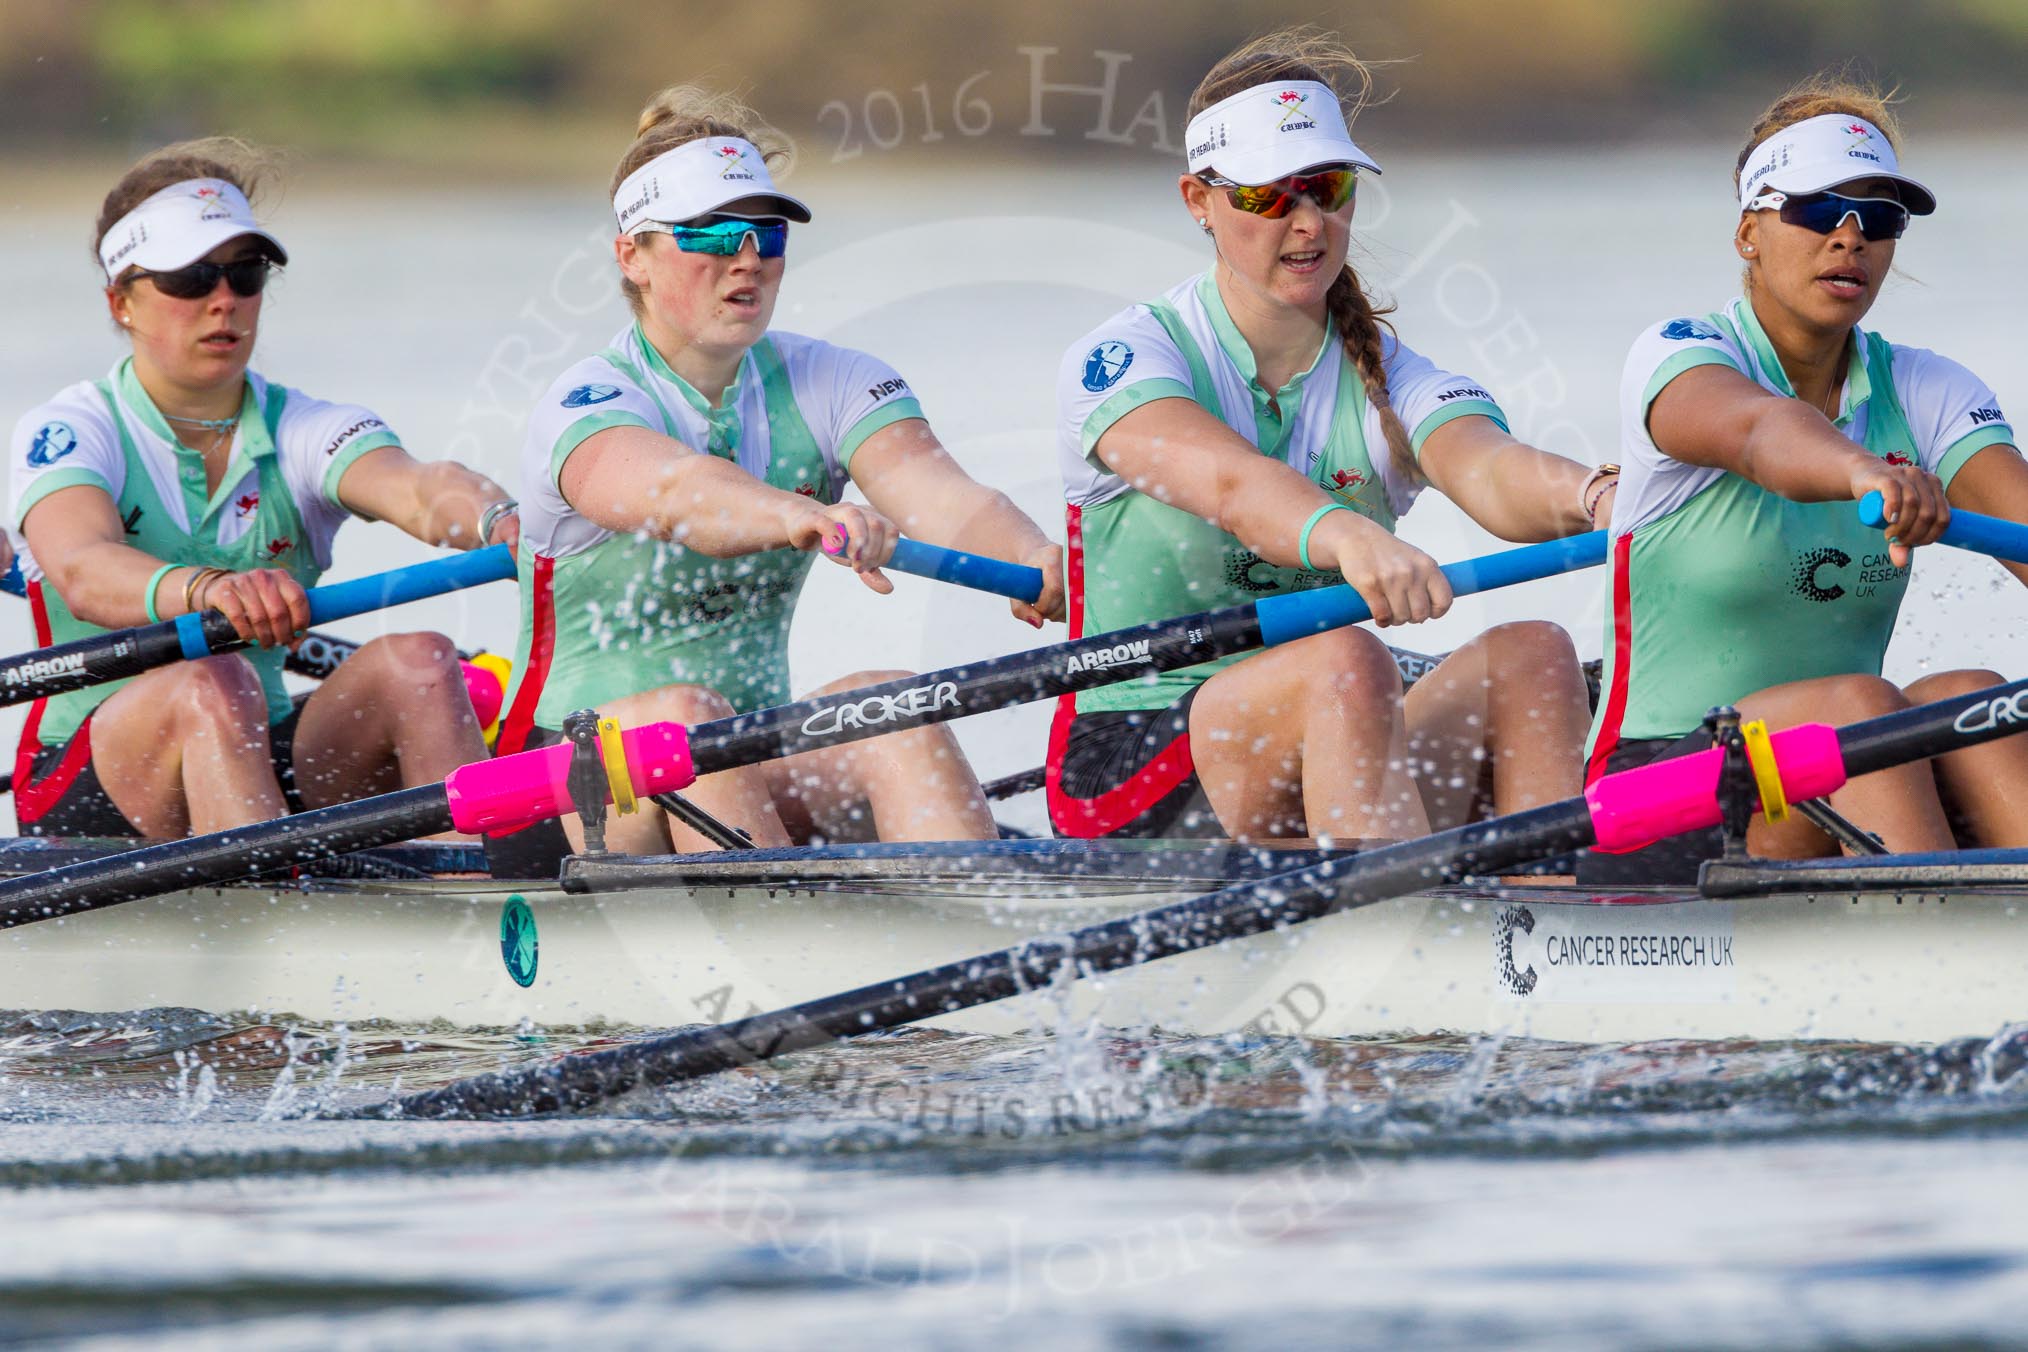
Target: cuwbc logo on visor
[[1293, 117]]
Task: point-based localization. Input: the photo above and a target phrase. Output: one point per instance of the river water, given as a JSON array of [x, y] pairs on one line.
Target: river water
[[930, 1189]]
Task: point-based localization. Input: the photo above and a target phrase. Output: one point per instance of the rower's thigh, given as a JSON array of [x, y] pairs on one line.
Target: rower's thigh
[[739, 796], [141, 731], [399, 695], [1984, 788], [828, 791], [1888, 806], [1262, 706], [1512, 697]]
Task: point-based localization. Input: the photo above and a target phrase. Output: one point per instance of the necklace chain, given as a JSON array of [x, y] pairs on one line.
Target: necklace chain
[[206, 424]]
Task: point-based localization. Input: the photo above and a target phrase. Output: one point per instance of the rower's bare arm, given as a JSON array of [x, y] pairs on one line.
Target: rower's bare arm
[[1714, 416], [81, 544], [80, 541], [1994, 482], [632, 480], [907, 474], [1512, 489], [1176, 452], [438, 502]]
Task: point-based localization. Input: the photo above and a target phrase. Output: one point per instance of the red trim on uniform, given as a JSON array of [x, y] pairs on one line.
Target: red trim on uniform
[[1089, 818], [541, 651], [1623, 658], [33, 797]]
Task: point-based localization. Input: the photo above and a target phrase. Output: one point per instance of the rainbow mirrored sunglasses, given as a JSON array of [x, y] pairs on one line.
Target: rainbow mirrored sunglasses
[[725, 237], [1329, 188], [1879, 217]]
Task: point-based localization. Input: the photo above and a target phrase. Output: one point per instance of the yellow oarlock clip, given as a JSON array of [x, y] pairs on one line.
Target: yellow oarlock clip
[[1760, 755], [615, 755]]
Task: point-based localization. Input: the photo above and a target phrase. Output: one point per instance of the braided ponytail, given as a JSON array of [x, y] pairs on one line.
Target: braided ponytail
[[1359, 328]]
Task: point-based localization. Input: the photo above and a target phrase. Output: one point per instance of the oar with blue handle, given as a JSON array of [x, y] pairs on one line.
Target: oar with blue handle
[[1967, 530], [129, 652], [1016, 581], [510, 792]]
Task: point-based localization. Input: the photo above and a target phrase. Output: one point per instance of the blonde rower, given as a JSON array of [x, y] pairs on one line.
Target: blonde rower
[[677, 486]]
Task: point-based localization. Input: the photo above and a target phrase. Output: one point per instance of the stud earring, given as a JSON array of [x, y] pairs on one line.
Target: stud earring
[[1746, 248]]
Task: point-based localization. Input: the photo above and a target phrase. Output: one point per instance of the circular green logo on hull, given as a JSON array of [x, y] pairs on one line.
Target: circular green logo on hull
[[519, 948]]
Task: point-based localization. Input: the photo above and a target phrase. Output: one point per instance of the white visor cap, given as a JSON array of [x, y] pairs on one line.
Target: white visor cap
[[1271, 131], [1822, 152], [712, 173], [179, 225]]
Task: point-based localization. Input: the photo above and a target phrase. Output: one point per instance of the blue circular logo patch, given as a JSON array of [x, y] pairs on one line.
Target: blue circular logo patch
[[53, 441], [1105, 364], [585, 395], [1682, 330], [519, 948]]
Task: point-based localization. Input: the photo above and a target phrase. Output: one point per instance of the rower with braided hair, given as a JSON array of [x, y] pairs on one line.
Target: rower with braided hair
[[1259, 429]]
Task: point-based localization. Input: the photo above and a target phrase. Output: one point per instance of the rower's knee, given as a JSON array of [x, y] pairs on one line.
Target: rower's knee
[[221, 694], [1342, 661], [685, 704], [410, 666], [1951, 684], [1856, 697], [1531, 660]]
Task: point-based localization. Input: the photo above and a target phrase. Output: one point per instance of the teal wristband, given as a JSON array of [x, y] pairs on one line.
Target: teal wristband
[[1303, 540], [155, 582]]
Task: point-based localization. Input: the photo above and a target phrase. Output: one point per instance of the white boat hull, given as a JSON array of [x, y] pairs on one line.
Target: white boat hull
[[1537, 962]]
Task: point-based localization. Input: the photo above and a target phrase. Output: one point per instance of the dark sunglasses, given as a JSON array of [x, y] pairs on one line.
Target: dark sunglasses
[[1879, 217], [246, 277], [1330, 189]]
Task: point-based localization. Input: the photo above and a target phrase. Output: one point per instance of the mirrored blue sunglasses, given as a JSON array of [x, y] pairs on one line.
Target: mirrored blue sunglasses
[[726, 237]]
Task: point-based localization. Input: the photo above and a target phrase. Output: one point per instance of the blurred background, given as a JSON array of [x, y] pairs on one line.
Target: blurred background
[[990, 182]]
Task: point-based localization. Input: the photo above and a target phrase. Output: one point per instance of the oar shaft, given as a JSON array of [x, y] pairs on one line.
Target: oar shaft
[[1236, 912], [129, 652], [225, 856], [1967, 530], [1808, 758], [1080, 664]]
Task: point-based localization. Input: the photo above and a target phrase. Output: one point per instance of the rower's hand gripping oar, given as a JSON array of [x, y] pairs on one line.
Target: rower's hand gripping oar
[[506, 794], [1967, 530], [129, 652], [1016, 581], [1620, 812]]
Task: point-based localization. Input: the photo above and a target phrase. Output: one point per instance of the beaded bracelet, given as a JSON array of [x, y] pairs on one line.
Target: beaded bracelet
[[154, 582]]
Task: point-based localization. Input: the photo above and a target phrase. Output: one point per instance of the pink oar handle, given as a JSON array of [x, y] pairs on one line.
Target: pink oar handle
[[497, 796], [1638, 807]]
